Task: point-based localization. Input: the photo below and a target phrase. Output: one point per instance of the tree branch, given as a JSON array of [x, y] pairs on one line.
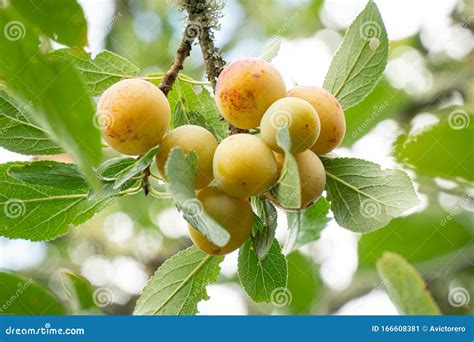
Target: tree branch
[[182, 52], [213, 60], [204, 16], [214, 64], [166, 84]]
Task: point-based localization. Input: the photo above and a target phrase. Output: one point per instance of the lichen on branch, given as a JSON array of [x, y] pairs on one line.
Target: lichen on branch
[[204, 17]]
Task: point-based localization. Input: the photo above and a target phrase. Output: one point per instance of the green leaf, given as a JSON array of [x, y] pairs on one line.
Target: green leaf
[[304, 284], [49, 173], [405, 286], [360, 60], [19, 133], [62, 21], [363, 197], [383, 102], [420, 237], [257, 225], [134, 169], [98, 73], [306, 225], [24, 296], [266, 223], [271, 49], [444, 149], [42, 212], [287, 191], [109, 169], [56, 93], [181, 171], [193, 104], [262, 279], [179, 284], [79, 292]]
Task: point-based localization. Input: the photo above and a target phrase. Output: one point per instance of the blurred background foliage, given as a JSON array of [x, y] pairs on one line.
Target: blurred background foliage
[[430, 68]]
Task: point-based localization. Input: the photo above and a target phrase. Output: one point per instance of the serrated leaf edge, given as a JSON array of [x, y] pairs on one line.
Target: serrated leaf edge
[[201, 264]]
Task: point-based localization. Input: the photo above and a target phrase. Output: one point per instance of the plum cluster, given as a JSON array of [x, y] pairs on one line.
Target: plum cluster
[[250, 94]]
